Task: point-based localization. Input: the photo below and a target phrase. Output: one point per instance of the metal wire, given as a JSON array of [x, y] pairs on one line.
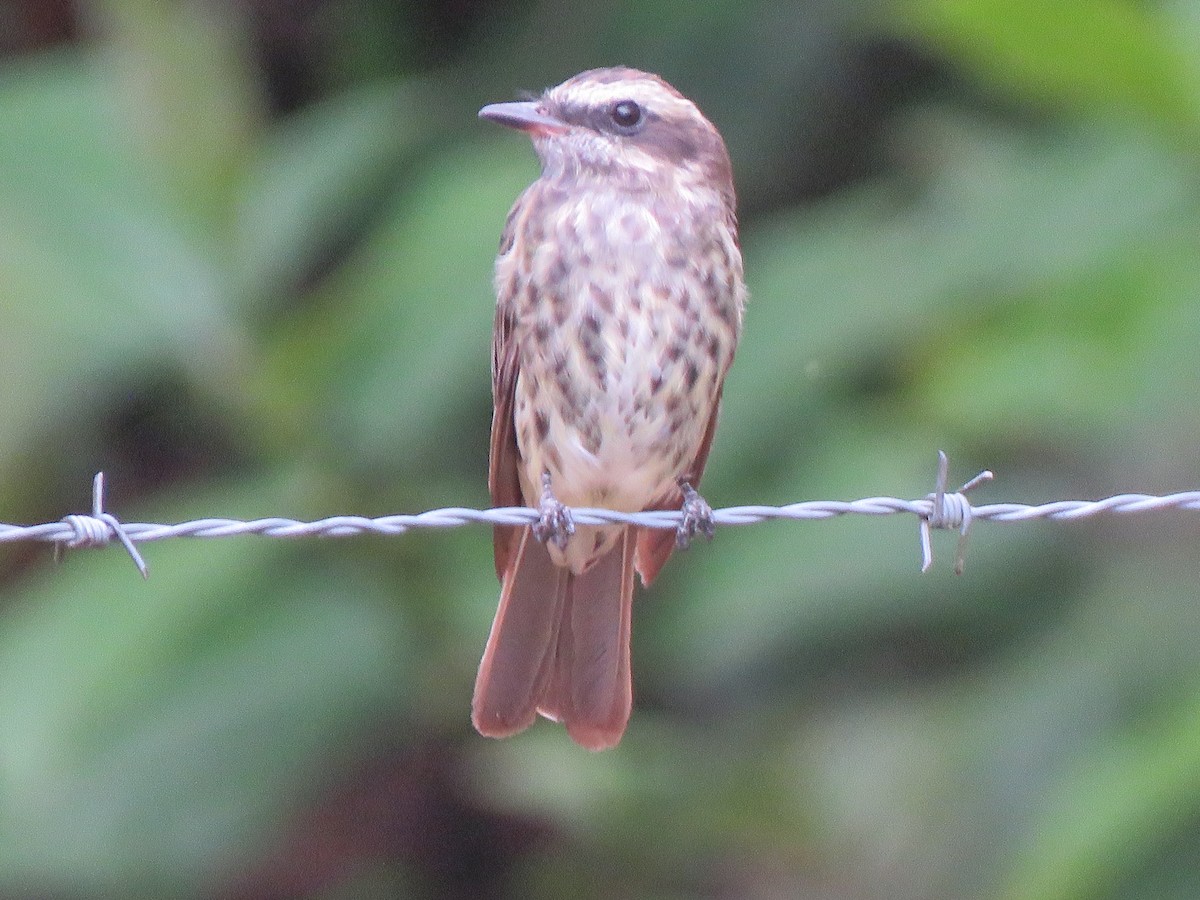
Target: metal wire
[[941, 509]]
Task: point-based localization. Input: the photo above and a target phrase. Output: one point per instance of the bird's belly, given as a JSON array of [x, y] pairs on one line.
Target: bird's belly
[[629, 465], [617, 438], [617, 447], [625, 332]]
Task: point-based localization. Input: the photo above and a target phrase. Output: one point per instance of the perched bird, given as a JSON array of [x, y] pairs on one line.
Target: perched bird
[[619, 306]]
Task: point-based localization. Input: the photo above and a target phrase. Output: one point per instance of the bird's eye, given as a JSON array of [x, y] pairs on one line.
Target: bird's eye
[[626, 114]]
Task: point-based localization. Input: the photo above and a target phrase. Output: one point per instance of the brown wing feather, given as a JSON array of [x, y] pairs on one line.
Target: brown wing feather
[[518, 662], [590, 689], [504, 458], [654, 545]]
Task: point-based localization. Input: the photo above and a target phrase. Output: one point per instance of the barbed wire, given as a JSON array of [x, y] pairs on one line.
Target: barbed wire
[[941, 509]]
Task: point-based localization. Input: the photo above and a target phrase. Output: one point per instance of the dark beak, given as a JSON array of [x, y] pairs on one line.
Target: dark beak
[[524, 116]]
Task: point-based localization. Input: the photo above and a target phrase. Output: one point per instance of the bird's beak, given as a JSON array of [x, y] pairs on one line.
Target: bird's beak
[[525, 116]]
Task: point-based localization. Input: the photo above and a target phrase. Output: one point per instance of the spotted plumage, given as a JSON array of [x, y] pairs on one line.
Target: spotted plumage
[[619, 306]]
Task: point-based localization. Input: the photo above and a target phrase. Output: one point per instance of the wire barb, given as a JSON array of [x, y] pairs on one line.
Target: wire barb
[[949, 510], [99, 528]]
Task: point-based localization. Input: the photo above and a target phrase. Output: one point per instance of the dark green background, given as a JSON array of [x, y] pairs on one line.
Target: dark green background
[[245, 262]]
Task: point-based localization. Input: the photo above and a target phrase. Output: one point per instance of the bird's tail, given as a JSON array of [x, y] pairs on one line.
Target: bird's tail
[[559, 646]]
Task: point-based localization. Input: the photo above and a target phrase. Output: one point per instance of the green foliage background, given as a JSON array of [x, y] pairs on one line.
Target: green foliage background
[[236, 310]]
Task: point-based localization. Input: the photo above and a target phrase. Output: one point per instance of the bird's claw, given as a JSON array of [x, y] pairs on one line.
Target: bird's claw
[[555, 524], [697, 517]]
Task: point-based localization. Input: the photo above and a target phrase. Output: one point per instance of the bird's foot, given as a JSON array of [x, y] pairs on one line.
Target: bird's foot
[[556, 525], [697, 517]]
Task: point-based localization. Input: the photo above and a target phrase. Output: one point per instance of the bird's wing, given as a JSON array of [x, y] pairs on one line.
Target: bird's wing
[[504, 458]]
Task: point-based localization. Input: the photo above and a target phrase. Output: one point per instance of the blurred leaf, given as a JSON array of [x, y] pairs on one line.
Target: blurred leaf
[[1113, 811], [1004, 215], [319, 174], [96, 277], [401, 342], [1096, 54], [629, 806], [185, 95], [152, 729], [1069, 358]]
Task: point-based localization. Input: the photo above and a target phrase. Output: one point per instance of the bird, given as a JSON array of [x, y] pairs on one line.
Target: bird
[[619, 305]]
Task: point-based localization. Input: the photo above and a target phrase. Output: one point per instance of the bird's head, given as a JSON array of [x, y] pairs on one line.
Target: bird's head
[[621, 124]]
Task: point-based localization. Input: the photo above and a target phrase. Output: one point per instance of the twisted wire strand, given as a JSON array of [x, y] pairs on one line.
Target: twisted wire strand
[[84, 530], [942, 509]]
